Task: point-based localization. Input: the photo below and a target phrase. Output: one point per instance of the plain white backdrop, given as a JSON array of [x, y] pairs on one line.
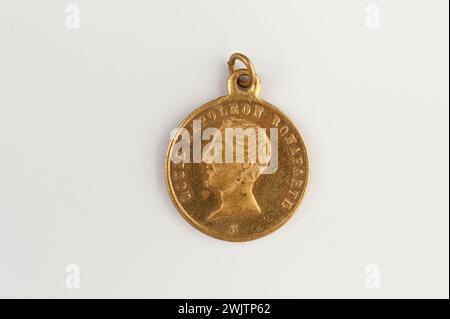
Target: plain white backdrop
[[85, 116]]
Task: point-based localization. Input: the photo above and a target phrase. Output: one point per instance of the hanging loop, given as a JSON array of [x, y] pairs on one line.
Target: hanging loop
[[245, 80], [234, 88]]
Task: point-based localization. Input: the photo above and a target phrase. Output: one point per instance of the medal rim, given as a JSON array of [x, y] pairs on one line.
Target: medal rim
[[220, 235]]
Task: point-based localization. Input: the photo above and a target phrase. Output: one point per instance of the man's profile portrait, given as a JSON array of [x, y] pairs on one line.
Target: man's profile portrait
[[233, 180]]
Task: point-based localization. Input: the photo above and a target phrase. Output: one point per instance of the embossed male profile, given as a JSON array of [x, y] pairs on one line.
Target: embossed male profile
[[234, 180]]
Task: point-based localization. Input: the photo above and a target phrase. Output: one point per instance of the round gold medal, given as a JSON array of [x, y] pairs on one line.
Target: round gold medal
[[237, 168]]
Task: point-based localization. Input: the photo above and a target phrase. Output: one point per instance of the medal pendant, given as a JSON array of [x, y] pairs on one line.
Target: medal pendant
[[237, 168]]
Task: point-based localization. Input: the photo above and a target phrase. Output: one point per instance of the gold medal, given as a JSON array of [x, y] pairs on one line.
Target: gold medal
[[237, 168]]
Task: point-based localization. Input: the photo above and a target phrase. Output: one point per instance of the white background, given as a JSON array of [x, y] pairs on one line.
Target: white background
[[85, 116]]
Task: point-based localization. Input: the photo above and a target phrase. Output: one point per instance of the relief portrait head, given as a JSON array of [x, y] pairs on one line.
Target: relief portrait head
[[233, 180]]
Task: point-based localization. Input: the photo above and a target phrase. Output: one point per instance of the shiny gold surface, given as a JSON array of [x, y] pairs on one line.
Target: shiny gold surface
[[234, 201]]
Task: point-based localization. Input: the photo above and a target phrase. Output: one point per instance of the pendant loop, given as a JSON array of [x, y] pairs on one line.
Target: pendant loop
[[234, 88], [250, 70]]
